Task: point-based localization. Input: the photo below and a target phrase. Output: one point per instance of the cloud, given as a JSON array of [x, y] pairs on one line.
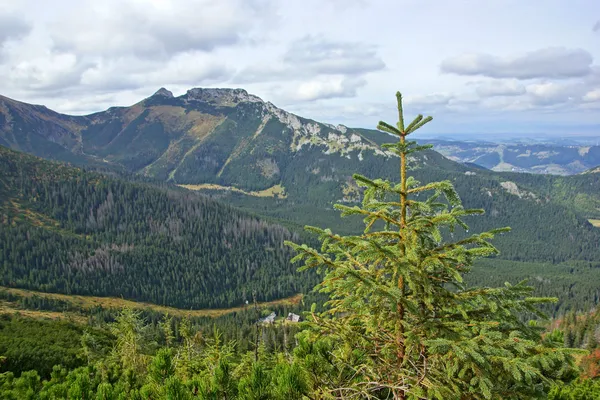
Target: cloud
[[192, 69], [92, 49], [328, 89], [592, 96], [12, 27], [596, 27], [313, 68], [552, 62], [313, 56], [552, 93], [50, 72], [155, 30], [434, 99], [500, 88], [322, 56]]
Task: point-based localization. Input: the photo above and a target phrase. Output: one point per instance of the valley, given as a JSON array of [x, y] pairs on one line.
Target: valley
[[86, 304], [274, 191]]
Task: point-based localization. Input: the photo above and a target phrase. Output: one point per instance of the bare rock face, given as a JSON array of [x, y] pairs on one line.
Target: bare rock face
[[222, 96], [164, 93], [512, 188]]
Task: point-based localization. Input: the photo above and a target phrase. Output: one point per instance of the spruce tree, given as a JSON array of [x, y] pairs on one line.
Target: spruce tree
[[403, 323]]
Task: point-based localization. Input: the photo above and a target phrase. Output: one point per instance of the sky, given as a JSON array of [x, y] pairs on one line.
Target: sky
[[479, 67]]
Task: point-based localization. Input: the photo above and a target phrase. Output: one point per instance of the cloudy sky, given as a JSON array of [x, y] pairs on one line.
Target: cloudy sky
[[483, 67]]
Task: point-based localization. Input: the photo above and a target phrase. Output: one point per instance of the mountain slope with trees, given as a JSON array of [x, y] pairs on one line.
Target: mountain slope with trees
[[76, 232]]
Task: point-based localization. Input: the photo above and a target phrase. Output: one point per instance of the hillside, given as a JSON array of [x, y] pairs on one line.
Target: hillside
[[69, 231]]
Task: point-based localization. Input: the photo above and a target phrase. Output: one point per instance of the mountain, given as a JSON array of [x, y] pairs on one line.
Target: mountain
[[69, 231], [239, 149], [534, 158], [224, 136]]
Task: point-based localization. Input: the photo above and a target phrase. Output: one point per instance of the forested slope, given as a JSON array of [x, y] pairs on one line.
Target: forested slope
[[70, 231]]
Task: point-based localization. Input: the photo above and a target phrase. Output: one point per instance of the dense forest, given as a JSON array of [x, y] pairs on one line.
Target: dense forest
[[70, 231], [548, 215]]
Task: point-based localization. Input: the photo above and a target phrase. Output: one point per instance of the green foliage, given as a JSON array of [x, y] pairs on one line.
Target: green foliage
[[40, 344], [200, 364], [400, 321], [70, 231], [586, 389]]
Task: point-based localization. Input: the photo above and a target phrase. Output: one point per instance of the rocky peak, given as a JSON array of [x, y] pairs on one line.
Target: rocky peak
[[164, 93], [342, 128], [222, 96]]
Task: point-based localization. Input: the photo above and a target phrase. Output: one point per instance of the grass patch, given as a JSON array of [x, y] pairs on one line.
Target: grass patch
[[7, 307], [88, 302], [274, 191]]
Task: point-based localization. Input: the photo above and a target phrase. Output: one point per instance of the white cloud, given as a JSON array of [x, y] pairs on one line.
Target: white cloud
[[193, 69], [313, 68], [47, 72], [549, 93], [321, 56], [552, 62], [500, 88], [433, 99], [327, 89], [156, 29], [12, 27], [592, 96]]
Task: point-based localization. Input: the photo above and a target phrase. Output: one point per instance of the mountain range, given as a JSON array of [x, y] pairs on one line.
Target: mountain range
[[235, 148], [538, 158]]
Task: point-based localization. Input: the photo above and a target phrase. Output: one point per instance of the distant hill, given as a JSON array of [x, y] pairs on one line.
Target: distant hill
[[69, 231], [520, 157]]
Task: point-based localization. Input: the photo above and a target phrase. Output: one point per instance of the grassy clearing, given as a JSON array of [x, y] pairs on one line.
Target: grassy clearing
[[11, 308], [87, 302], [595, 222], [273, 191]]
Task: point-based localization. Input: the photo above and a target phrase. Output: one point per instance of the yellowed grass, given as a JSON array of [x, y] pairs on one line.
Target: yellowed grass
[[270, 192], [86, 302], [595, 222], [10, 308], [37, 219]]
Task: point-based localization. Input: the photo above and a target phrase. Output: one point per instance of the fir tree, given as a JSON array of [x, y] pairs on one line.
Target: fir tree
[[403, 324]]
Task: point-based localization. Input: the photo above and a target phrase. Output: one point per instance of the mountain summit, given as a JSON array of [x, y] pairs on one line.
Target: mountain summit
[[163, 92]]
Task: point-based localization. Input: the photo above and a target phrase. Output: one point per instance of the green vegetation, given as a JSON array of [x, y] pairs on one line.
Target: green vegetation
[[69, 231], [574, 283], [402, 322], [29, 344], [595, 222], [61, 302]]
